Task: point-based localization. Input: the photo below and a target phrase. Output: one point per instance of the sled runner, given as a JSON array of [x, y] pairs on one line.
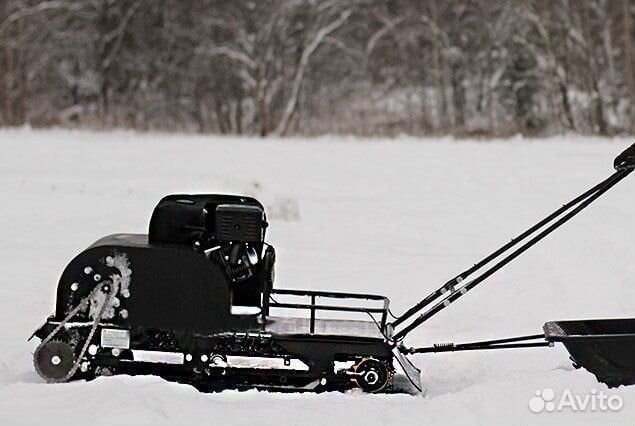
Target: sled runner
[[194, 301]]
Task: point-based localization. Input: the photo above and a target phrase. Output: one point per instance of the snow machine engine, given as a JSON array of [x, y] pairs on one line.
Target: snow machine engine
[[230, 232]]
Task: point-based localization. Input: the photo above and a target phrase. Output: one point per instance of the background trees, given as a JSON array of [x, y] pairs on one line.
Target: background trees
[[491, 67]]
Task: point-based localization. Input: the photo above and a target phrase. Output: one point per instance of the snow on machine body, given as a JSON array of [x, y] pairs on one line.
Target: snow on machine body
[[193, 301]]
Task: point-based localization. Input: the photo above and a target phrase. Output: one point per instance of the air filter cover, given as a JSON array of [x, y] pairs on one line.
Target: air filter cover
[[236, 222]]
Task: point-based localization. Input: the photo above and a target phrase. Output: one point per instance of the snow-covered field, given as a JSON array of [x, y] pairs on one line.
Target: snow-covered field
[[384, 216]]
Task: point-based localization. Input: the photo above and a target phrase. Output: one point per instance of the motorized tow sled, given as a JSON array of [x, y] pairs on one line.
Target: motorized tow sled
[[193, 301]]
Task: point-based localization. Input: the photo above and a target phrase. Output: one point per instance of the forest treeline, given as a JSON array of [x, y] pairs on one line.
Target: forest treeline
[[462, 67]]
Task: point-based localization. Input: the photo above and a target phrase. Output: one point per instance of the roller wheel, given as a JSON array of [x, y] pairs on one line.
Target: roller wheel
[[54, 360], [371, 375]]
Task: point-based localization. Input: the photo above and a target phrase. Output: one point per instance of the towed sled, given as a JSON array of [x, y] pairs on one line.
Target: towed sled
[[194, 301]]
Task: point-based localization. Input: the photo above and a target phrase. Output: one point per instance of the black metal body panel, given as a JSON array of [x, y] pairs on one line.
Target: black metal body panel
[[171, 287], [327, 348]]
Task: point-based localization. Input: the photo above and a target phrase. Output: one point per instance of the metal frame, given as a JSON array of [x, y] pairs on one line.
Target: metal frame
[[313, 307], [507, 343]]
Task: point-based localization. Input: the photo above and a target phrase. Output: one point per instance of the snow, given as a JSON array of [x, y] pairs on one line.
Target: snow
[[160, 357], [394, 217], [245, 310]]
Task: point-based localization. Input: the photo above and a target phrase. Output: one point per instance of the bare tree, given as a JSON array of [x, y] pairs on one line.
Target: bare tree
[[322, 31], [629, 67], [313, 66]]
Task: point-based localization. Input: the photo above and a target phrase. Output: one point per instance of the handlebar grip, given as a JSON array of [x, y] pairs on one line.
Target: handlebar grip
[[626, 160]]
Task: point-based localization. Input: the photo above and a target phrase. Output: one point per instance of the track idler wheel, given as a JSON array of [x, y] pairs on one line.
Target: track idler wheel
[[372, 375], [54, 360]]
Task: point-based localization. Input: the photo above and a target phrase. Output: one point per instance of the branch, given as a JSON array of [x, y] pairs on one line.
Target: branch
[[283, 125], [232, 54], [385, 29], [39, 8], [118, 34]]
